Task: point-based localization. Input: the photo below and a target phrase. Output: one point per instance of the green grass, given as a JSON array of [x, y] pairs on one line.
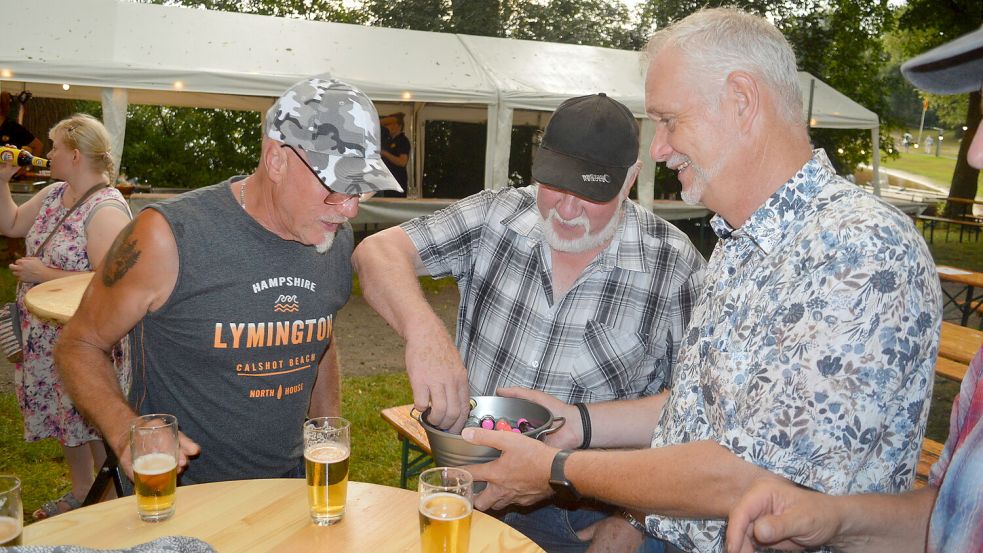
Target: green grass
[[937, 169]]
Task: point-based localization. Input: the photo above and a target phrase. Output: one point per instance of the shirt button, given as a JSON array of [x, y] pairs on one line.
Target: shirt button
[[534, 364]]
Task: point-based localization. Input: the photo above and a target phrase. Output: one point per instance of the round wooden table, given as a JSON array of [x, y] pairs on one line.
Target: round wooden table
[[269, 515], [57, 299]]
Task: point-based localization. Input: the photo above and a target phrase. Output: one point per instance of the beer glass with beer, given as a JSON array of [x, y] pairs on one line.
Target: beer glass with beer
[[327, 450], [11, 512], [445, 510], [154, 451]]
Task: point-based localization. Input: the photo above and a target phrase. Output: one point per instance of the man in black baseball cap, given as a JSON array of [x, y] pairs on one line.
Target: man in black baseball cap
[[590, 146], [567, 287]]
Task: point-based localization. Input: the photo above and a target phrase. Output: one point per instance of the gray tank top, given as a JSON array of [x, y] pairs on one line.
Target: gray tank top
[[234, 351]]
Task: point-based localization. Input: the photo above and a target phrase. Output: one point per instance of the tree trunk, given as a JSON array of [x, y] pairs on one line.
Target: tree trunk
[[41, 114], [965, 178]]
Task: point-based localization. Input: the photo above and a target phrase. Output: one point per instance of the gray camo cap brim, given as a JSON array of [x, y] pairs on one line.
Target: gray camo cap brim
[[338, 128]]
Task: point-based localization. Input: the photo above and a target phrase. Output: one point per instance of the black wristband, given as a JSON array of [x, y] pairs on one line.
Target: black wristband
[[585, 421]]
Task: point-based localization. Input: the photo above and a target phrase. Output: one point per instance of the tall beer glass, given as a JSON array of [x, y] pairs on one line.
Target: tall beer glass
[[327, 449], [445, 510], [11, 512], [154, 451]]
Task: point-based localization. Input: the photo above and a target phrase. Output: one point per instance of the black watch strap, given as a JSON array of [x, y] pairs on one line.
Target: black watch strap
[[564, 489]]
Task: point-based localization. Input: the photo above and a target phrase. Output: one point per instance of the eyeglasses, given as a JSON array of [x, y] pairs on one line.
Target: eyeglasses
[[333, 198]]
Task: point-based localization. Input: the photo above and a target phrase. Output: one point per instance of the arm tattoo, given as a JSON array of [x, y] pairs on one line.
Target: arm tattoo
[[122, 256]]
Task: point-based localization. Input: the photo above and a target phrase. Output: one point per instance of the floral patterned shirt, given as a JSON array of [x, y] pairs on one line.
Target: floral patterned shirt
[[811, 350]]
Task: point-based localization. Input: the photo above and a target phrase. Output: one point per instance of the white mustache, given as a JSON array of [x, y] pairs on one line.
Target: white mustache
[[578, 221], [676, 160]]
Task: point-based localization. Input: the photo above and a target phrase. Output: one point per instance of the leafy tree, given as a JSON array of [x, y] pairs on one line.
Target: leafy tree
[[593, 23], [315, 10], [929, 24], [419, 15], [189, 147]]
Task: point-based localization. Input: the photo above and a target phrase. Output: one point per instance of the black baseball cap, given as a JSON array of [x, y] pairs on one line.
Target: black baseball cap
[[953, 68], [589, 145]]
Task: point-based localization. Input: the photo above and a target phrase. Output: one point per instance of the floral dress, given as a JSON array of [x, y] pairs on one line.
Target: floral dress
[[47, 410]]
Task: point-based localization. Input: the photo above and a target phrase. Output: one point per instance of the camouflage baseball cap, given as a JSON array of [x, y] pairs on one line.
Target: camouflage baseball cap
[[338, 127]]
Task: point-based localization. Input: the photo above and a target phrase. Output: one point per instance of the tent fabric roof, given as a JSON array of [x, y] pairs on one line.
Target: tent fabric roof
[[541, 75], [113, 44], [147, 48], [831, 109]]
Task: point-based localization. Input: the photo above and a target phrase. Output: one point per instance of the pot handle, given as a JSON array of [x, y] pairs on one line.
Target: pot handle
[[558, 422]]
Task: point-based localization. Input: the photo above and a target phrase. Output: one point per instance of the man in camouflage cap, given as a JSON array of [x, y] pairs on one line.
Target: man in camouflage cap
[[228, 295]]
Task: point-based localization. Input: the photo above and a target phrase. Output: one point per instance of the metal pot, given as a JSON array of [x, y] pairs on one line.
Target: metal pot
[[451, 450]]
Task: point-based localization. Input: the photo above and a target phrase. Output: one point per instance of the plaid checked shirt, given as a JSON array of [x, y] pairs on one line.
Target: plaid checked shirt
[[614, 335]]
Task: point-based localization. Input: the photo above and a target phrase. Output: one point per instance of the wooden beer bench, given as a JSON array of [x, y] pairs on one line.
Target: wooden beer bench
[[413, 438], [959, 343], [930, 222], [949, 369], [931, 450]]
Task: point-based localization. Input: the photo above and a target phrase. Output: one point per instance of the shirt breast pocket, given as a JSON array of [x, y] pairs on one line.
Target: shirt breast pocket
[[610, 363], [726, 384]]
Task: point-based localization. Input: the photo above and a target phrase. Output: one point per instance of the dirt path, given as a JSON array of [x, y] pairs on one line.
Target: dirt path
[[366, 343]]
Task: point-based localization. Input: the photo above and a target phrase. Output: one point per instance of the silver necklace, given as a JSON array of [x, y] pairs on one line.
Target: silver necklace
[[242, 194]]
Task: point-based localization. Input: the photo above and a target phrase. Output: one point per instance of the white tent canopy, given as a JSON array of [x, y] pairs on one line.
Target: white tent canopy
[[122, 53]]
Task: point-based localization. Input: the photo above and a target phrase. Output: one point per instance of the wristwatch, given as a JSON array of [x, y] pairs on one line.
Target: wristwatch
[[634, 522], [563, 487]]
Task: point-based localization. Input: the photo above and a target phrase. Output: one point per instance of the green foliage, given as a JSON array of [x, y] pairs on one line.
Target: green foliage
[[189, 147], [450, 166], [419, 15], [316, 10], [590, 22]]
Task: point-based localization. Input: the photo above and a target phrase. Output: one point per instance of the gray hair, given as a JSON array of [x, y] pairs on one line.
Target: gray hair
[[720, 41]]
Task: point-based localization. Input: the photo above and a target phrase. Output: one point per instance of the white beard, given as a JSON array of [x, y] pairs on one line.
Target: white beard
[[701, 176], [325, 244], [584, 243]]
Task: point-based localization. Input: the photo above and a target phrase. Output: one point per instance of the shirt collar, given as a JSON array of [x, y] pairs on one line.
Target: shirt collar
[[771, 223], [626, 250]]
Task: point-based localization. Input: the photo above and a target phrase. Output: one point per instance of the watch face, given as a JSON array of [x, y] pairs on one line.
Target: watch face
[[565, 490]]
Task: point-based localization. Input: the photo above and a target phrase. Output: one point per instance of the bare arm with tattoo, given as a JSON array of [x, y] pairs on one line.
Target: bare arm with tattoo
[[137, 277]]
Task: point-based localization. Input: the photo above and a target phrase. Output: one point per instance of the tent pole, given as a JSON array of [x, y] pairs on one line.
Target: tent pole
[[491, 133], [114, 104], [419, 126], [812, 90], [646, 177], [875, 140]]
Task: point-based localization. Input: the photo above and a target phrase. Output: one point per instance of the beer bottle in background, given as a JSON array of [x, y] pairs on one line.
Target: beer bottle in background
[[16, 156]]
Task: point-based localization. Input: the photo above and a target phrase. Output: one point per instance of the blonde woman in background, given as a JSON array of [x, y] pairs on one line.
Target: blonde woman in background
[[81, 161]]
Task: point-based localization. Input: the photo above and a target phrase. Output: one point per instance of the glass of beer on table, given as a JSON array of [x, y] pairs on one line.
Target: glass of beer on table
[[11, 512], [327, 449], [445, 510], [154, 451]]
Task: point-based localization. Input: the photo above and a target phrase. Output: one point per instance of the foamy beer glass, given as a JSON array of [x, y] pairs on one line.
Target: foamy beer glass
[[327, 450], [11, 512], [154, 450], [445, 510]]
